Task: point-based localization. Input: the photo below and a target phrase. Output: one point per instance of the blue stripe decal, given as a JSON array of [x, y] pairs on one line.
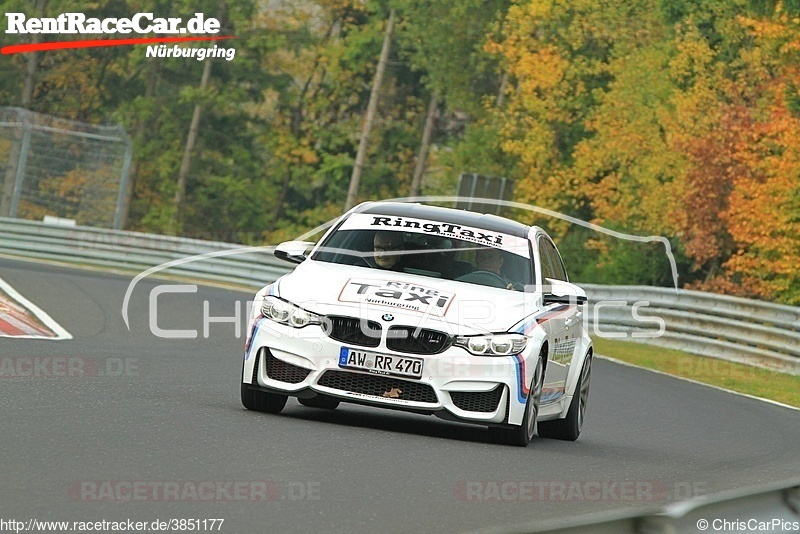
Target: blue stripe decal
[[522, 397], [272, 290], [256, 326]]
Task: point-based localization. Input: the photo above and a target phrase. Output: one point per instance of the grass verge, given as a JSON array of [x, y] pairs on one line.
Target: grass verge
[[747, 379]]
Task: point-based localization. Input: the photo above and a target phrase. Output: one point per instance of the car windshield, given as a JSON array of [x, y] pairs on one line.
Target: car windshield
[[466, 255]]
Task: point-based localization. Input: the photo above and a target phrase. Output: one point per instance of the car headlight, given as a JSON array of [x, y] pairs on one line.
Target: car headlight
[[287, 313], [493, 344]]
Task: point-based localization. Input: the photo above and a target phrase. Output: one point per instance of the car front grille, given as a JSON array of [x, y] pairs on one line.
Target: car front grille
[[283, 371], [349, 330], [485, 401], [417, 340], [380, 386]]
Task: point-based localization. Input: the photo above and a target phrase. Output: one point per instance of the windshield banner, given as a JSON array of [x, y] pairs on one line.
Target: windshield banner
[[509, 243]]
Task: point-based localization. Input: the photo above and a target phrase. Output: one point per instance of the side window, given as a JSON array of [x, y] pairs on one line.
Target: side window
[[550, 255], [547, 262], [558, 265]]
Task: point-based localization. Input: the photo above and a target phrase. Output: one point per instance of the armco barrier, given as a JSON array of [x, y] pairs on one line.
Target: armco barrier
[[730, 328], [135, 252], [768, 509]]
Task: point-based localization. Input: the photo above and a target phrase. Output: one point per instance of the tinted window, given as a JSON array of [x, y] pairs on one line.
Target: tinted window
[[552, 266], [428, 255]]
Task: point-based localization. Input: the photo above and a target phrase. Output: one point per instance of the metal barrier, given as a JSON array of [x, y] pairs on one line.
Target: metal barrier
[[768, 509], [730, 328], [250, 267]]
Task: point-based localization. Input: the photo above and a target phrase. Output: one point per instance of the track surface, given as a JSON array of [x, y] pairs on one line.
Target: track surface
[[174, 416]]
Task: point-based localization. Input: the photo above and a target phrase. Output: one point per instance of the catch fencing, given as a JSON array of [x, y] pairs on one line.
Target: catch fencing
[[741, 330], [61, 168]]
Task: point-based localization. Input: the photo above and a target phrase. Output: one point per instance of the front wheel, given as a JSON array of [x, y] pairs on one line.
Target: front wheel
[[521, 435], [570, 427], [261, 401]]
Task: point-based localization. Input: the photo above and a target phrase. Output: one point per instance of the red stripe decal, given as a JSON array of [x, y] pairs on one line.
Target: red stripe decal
[[35, 47]]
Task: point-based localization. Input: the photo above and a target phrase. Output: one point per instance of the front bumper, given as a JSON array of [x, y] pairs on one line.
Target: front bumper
[[454, 383]]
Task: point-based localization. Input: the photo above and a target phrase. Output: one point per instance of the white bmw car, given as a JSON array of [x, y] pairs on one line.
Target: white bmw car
[[466, 316]]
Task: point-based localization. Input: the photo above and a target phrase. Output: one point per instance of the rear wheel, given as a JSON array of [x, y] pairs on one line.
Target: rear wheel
[[320, 401], [570, 427], [521, 435], [261, 401]]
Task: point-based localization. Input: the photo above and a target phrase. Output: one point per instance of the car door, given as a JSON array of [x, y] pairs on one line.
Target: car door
[[573, 315], [563, 321]]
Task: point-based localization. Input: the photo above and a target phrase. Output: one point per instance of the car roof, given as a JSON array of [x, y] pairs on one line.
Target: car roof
[[447, 215]]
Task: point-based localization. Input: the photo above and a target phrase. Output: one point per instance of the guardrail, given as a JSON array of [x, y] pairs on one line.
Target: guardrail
[[730, 328], [135, 252], [768, 509]]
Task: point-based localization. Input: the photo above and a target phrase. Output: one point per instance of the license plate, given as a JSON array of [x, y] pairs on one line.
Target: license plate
[[382, 364]]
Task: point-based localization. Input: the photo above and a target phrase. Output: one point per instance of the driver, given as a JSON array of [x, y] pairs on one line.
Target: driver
[[388, 248], [491, 259]]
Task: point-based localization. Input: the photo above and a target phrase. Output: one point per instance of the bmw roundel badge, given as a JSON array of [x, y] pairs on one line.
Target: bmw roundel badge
[[387, 317]]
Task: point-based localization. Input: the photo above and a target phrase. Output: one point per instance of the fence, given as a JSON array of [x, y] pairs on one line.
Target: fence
[[730, 328], [62, 168]]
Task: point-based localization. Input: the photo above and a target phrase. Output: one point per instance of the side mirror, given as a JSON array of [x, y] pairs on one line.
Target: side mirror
[[558, 292], [293, 251]]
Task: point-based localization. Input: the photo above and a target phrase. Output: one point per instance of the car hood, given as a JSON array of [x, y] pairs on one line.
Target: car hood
[[405, 299]]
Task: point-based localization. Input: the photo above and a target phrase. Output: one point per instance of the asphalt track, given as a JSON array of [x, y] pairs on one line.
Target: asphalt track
[[173, 416]]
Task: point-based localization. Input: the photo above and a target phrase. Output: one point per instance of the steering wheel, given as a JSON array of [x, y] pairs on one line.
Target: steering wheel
[[484, 278], [358, 261]]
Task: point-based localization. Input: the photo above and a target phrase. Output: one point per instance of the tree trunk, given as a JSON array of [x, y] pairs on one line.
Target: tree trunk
[[501, 93], [26, 99], [355, 178], [416, 181], [180, 194], [276, 214], [141, 131], [9, 183], [33, 61]]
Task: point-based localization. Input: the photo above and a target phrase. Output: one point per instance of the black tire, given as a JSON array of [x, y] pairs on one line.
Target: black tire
[[521, 435], [569, 428], [261, 401], [320, 401]]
